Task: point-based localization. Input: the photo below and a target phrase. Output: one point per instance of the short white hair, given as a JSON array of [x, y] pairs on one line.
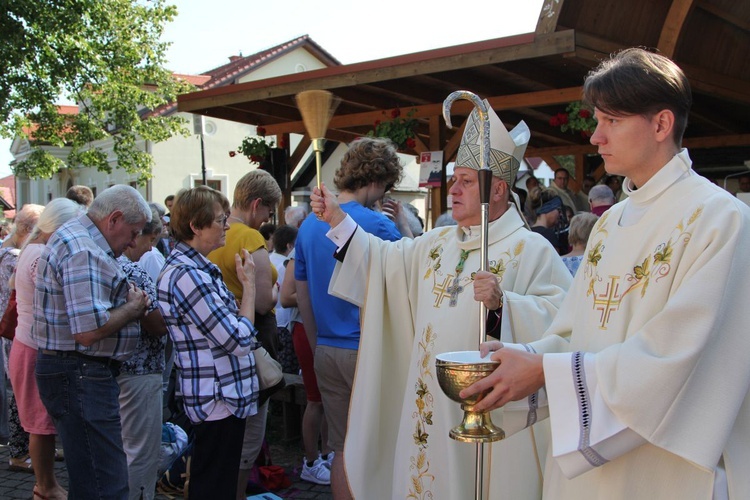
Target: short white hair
[[123, 198], [602, 194], [293, 216]]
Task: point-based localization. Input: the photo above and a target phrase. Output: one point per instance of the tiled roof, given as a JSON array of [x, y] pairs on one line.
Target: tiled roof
[[62, 109], [8, 194], [238, 66]]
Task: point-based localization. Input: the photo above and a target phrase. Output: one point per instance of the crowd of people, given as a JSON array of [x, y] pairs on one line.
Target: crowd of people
[[614, 312]]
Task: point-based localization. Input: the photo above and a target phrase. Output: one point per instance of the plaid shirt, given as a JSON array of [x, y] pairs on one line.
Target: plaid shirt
[[78, 282], [213, 343]]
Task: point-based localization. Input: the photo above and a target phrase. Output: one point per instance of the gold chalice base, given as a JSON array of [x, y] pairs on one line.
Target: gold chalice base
[[456, 371]]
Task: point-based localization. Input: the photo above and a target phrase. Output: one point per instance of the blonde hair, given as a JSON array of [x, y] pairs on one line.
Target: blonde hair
[[55, 214], [254, 185]]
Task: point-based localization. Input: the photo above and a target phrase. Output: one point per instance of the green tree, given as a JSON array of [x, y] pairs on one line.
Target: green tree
[[105, 55]]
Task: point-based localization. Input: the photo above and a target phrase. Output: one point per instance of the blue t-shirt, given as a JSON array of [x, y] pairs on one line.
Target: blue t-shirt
[[336, 319]]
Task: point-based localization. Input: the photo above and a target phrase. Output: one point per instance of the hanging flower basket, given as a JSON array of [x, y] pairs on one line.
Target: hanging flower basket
[[256, 148], [577, 118], [399, 130]]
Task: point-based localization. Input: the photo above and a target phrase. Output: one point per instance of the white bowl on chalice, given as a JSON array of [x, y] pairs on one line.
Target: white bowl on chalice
[[456, 371]]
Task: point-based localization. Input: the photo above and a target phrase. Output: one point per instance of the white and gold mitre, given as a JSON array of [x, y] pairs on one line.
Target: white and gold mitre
[[506, 148]]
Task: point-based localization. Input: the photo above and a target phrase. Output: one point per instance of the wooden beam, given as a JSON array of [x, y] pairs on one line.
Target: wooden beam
[[299, 152], [560, 150], [721, 141], [548, 17], [410, 65], [673, 24], [716, 84], [461, 108], [722, 14]]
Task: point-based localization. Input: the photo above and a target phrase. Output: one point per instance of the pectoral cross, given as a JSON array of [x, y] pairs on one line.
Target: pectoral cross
[[454, 290]]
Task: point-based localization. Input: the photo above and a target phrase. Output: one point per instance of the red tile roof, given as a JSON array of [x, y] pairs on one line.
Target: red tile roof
[[239, 66], [8, 192]]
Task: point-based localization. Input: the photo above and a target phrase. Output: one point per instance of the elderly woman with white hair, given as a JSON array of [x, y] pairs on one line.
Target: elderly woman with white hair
[[10, 428], [34, 417]]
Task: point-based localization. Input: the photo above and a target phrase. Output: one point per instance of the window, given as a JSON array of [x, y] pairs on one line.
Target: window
[[212, 183]]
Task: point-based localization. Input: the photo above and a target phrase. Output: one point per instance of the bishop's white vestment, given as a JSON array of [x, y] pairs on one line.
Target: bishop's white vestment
[[651, 398], [397, 442]]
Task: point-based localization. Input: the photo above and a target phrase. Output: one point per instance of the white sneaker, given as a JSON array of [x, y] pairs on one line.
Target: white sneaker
[[328, 460], [318, 473]]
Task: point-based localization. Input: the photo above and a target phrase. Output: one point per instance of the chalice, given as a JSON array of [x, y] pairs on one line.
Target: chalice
[[457, 371]]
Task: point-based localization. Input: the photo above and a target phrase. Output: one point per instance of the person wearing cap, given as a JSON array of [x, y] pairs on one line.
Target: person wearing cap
[[601, 199], [645, 367], [548, 207], [419, 298]]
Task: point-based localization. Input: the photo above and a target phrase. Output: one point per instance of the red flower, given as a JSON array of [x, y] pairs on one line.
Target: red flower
[[255, 158], [282, 144], [395, 113], [585, 134], [377, 122], [261, 131], [584, 113], [232, 154], [410, 142], [563, 118], [554, 121]]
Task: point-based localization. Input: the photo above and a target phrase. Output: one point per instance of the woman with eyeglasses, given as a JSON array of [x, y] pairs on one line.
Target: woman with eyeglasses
[[214, 336], [256, 197]]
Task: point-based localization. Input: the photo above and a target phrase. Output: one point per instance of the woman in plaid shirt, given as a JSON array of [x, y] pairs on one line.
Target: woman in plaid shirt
[[213, 340]]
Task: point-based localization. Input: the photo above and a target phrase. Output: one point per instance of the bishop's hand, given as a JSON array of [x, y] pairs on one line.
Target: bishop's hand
[[487, 290], [325, 206]]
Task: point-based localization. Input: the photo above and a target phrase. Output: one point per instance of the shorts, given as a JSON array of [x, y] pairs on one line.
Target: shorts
[[335, 369]]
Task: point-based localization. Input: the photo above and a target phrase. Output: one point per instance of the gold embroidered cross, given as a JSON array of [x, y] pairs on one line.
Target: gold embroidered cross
[[608, 301], [442, 290]]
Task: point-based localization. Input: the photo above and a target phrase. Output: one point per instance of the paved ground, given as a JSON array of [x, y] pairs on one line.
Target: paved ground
[[286, 454]]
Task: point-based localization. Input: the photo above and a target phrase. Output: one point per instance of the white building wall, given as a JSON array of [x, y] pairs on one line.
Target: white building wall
[[294, 62]]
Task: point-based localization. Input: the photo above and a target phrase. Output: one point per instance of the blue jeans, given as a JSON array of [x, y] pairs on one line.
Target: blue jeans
[[81, 396]]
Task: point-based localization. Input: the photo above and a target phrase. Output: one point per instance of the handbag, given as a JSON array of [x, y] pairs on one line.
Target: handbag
[[10, 318], [268, 369]]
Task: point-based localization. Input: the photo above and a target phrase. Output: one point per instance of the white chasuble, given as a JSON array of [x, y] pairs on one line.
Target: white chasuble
[[417, 302], [651, 400]]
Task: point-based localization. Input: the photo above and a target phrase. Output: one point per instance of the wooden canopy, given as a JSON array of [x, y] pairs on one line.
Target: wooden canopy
[[528, 77]]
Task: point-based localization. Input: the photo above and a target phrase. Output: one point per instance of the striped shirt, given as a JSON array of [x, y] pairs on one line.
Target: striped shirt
[[213, 343], [78, 282]]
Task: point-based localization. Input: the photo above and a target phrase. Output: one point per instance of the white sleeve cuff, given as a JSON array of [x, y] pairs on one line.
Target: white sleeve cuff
[[585, 432], [340, 234]]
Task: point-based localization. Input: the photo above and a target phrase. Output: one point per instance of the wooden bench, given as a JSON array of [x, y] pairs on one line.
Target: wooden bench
[[293, 400]]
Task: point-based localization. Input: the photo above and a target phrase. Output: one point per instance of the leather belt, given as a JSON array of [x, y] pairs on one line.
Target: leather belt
[[109, 362]]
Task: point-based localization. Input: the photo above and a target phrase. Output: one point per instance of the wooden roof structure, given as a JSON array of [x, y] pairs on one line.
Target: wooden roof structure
[[527, 77]]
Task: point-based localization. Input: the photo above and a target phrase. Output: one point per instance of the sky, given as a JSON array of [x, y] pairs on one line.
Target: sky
[[204, 34]]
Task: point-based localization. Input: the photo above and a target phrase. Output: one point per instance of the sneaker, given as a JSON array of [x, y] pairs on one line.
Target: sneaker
[[327, 460], [318, 473]]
